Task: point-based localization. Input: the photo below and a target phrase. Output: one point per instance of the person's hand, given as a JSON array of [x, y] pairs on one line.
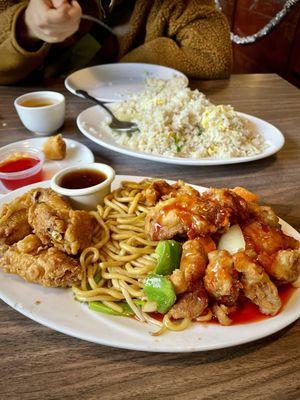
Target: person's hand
[[51, 21]]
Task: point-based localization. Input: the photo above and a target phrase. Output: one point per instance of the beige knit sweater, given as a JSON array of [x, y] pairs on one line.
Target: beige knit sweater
[[189, 35]]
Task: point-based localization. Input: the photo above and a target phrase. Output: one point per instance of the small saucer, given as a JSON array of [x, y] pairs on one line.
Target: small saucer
[[76, 153]]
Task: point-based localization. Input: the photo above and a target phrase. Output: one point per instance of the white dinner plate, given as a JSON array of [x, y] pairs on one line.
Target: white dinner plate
[[76, 153], [57, 309], [91, 124], [115, 82]]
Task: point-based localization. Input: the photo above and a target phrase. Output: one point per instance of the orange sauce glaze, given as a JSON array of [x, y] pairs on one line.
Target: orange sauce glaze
[[247, 311]]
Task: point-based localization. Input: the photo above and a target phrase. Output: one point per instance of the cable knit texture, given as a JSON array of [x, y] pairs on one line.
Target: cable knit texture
[[189, 35]]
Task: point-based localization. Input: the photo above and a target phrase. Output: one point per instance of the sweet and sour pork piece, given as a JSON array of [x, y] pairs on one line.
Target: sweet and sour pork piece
[[194, 215], [278, 253], [192, 264], [191, 304], [221, 280], [257, 286]]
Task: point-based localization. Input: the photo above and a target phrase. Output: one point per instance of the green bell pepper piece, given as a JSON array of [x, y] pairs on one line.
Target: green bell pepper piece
[[127, 311], [169, 255], [159, 288]]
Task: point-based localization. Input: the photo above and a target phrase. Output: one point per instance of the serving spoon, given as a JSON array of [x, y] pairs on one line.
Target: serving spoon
[[116, 124]]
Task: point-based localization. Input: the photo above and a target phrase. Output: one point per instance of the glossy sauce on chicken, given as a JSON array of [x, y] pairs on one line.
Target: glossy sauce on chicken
[[198, 215], [249, 312]]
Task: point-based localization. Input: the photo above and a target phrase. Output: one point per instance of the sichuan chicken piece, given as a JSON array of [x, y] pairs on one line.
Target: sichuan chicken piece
[[286, 266], [264, 214], [55, 148], [14, 224], [221, 279], [154, 192], [278, 253], [192, 265], [186, 215], [257, 285], [160, 189], [191, 304], [181, 188], [55, 223], [48, 267], [234, 205], [248, 196]]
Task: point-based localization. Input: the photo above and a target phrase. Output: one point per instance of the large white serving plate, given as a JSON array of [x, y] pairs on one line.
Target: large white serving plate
[[91, 124], [57, 309], [115, 82]]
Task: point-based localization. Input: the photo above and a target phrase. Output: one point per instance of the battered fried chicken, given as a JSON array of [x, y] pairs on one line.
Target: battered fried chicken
[[191, 304], [245, 194], [286, 266], [14, 224], [221, 279], [257, 285], [160, 189], [264, 214], [192, 265], [190, 216], [153, 193], [54, 222], [48, 267], [276, 252], [235, 206]]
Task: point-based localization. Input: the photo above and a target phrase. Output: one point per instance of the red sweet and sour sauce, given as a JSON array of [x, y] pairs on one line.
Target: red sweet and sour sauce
[[17, 165], [247, 311]]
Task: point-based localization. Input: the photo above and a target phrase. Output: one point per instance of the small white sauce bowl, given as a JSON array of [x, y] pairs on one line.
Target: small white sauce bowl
[[42, 120], [87, 198]]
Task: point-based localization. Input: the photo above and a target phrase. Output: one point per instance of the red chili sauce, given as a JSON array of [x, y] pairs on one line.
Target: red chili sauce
[[17, 165], [248, 312]]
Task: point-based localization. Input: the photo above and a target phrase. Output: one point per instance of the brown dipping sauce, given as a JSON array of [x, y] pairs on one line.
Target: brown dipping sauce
[[81, 179], [42, 102]]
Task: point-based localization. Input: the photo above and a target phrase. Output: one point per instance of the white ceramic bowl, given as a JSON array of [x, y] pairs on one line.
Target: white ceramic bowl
[[42, 120], [87, 198]]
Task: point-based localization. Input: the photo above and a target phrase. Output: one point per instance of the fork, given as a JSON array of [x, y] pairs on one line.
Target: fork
[[116, 124]]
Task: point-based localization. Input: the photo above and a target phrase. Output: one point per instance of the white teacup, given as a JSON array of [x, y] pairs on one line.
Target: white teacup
[[41, 112]]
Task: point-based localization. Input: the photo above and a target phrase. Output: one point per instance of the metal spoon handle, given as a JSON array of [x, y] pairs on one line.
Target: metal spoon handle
[[85, 94]]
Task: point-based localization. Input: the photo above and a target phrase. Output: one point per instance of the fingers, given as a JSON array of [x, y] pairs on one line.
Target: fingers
[[52, 20]]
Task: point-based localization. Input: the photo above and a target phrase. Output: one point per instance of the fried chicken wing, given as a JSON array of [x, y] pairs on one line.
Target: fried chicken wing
[[257, 285], [191, 304], [221, 279], [14, 224], [54, 222], [192, 265], [48, 267], [186, 215]]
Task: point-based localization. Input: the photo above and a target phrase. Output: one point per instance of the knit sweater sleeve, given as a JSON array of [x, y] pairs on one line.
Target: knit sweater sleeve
[[15, 62], [189, 36]]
